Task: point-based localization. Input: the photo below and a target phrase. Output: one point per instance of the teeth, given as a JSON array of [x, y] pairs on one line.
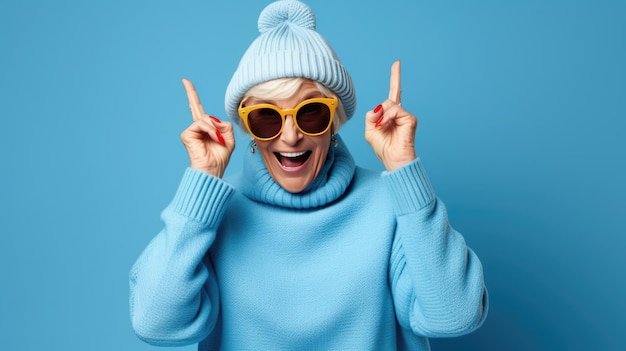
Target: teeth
[[291, 154]]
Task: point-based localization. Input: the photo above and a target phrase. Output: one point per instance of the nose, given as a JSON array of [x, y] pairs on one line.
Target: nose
[[291, 135]]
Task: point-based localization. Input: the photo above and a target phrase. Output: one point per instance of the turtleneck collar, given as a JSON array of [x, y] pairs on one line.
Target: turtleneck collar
[[332, 181]]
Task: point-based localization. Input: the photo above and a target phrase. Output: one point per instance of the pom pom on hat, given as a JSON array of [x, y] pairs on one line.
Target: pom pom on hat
[[289, 46], [285, 12]]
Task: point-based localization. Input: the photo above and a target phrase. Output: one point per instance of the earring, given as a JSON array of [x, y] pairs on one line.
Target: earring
[[333, 140], [253, 146]]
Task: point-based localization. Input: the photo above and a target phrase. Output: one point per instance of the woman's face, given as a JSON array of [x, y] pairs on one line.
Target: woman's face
[[294, 159]]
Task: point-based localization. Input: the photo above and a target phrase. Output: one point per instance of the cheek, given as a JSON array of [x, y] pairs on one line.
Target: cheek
[[262, 148], [268, 159], [322, 151]]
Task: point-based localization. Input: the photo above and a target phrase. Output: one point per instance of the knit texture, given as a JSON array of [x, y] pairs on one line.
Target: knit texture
[[289, 46], [329, 184], [359, 261]]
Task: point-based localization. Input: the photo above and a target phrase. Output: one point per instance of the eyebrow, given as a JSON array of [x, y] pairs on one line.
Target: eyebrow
[[309, 95], [313, 94]]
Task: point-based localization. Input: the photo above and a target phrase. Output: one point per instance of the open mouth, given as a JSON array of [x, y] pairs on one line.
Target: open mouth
[[292, 159]]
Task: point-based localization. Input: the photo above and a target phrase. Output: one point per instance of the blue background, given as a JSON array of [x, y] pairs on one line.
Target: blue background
[[521, 108]]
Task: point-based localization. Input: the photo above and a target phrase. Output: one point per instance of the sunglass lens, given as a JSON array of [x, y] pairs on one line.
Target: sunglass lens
[[265, 122], [314, 117]]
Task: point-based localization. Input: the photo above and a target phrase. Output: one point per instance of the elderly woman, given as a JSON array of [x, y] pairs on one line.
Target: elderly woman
[[302, 249]]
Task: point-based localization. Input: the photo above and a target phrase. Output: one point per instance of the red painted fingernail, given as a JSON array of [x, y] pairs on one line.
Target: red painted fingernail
[[380, 120], [220, 138], [378, 108], [215, 119]]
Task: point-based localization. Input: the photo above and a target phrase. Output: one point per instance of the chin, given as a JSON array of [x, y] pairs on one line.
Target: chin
[[297, 178], [294, 185]]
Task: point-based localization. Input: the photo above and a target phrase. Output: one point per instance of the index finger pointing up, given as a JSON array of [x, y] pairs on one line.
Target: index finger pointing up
[[194, 101], [395, 92]]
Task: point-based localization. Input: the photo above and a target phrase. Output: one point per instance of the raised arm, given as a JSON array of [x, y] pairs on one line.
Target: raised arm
[[174, 297], [436, 279]]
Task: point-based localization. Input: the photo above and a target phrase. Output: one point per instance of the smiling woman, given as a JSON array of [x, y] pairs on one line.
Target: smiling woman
[[303, 249], [296, 150]]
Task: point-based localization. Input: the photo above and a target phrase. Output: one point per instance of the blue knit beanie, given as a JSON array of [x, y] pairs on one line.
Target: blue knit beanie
[[289, 46]]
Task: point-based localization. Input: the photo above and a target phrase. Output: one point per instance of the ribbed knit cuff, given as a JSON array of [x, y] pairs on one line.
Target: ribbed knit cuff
[[410, 187], [202, 197]]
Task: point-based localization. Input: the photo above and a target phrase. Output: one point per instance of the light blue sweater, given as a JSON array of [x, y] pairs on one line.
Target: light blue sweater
[[358, 261]]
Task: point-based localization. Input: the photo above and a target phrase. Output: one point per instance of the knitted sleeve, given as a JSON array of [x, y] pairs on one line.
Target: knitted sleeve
[[173, 292], [436, 280]]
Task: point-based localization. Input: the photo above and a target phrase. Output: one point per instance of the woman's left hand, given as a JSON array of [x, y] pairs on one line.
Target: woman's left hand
[[390, 129]]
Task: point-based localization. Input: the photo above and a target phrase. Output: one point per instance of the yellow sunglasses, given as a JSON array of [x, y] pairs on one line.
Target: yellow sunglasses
[[312, 117]]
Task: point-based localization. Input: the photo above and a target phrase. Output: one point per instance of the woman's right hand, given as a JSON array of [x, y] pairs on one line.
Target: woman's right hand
[[209, 141]]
